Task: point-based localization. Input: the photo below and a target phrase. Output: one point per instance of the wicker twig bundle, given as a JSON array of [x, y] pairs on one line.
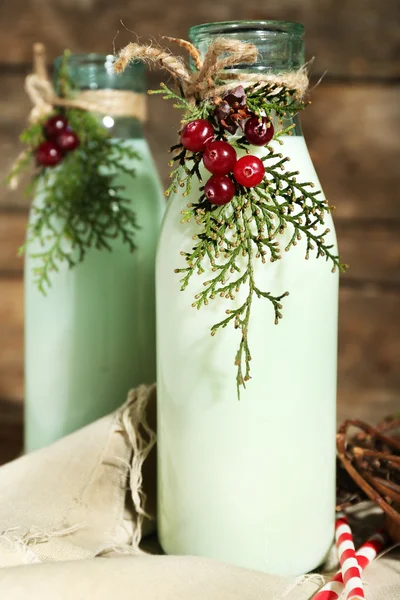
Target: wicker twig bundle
[[372, 459]]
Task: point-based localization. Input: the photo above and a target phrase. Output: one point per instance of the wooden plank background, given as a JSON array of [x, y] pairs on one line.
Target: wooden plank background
[[353, 132]]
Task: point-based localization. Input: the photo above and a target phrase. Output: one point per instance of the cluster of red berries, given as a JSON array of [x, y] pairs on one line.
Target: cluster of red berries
[[220, 158], [59, 139]]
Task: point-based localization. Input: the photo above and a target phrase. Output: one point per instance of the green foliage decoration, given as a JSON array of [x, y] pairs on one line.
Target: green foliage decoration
[[78, 204], [231, 238]]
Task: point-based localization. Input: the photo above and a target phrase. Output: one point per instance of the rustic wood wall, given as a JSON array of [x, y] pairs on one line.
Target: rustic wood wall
[[353, 131]]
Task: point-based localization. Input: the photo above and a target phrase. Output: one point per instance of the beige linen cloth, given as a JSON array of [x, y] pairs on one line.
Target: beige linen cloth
[[72, 516]]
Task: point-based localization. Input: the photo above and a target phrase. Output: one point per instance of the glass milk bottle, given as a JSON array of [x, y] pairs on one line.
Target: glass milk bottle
[[92, 338], [249, 482]]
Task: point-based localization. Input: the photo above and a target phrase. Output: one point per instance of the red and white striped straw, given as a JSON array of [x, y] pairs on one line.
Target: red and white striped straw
[[370, 549], [353, 586], [366, 553]]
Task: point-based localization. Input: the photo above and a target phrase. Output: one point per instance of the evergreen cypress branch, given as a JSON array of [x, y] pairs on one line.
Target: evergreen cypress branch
[[231, 238], [78, 204]]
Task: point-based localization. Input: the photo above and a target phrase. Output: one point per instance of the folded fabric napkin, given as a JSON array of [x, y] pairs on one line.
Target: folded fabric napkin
[[72, 517]]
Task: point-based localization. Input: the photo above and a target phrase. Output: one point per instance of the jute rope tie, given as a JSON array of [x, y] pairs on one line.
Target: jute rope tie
[[222, 55], [117, 103]]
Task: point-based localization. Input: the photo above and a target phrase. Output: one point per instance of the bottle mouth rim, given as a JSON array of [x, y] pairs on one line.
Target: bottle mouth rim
[[262, 28], [95, 59]]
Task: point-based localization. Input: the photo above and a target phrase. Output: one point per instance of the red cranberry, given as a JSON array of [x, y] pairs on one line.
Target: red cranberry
[[219, 158], [55, 125], [259, 131], [48, 154], [196, 134], [249, 171], [219, 190], [67, 140]]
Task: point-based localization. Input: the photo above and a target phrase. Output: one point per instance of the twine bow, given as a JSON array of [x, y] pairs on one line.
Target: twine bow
[[44, 98], [211, 73], [41, 92]]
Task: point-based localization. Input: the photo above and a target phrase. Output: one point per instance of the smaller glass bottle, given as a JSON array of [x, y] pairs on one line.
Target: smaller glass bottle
[[92, 338]]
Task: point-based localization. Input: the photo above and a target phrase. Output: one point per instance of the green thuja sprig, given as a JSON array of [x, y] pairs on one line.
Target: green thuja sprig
[[79, 204], [199, 110], [232, 238]]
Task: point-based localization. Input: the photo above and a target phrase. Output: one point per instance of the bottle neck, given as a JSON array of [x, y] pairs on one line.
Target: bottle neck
[[279, 44], [122, 97]]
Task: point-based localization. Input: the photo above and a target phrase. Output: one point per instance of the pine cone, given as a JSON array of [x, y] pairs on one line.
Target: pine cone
[[231, 110]]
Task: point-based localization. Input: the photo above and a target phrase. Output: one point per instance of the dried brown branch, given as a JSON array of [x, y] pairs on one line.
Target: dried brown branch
[[375, 454], [372, 459]]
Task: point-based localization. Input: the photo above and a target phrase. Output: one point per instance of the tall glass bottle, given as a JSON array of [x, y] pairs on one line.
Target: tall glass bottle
[[250, 482], [92, 337]]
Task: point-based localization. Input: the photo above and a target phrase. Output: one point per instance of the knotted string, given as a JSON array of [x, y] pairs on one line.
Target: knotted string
[[44, 98], [212, 76]]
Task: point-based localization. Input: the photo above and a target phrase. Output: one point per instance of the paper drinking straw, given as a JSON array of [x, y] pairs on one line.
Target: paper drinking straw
[[332, 590], [366, 553], [353, 586], [370, 549]]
